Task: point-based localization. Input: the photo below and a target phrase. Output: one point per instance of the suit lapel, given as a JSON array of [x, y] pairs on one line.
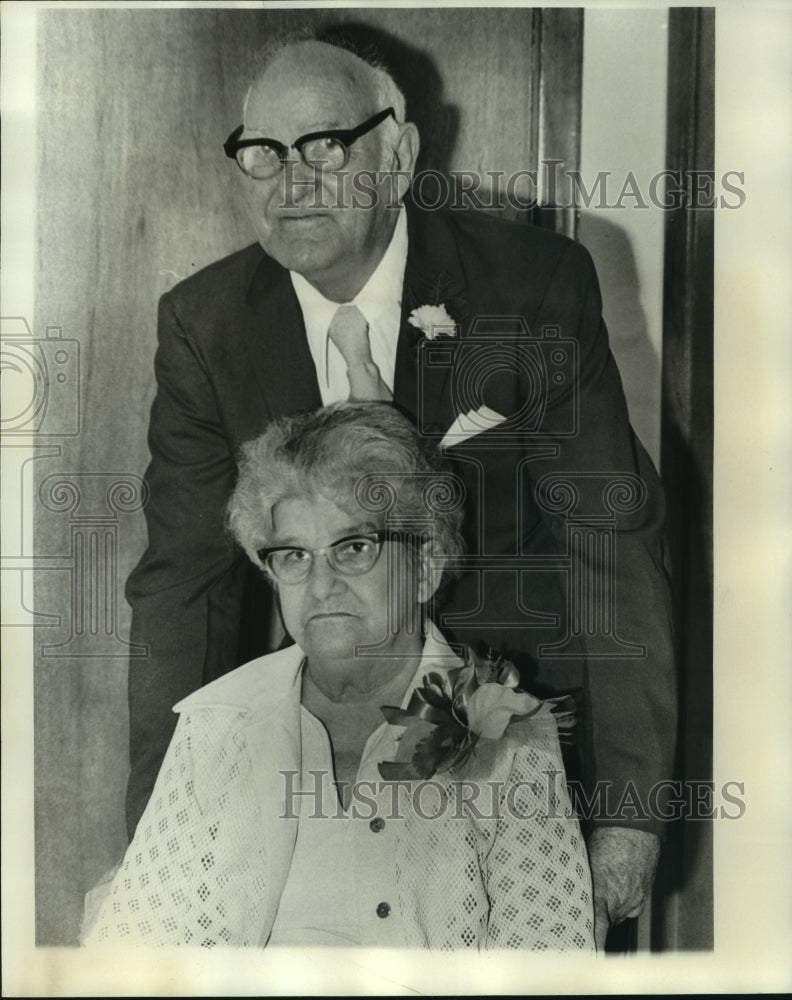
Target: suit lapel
[[273, 331], [274, 335], [433, 276]]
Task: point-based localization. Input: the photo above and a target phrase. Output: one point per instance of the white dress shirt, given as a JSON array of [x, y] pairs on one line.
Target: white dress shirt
[[379, 300]]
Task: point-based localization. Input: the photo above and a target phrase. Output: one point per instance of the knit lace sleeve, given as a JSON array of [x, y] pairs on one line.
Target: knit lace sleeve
[[497, 859], [170, 888], [537, 874]]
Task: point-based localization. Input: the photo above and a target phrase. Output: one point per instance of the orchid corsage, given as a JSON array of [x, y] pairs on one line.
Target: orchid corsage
[[451, 711], [433, 321]]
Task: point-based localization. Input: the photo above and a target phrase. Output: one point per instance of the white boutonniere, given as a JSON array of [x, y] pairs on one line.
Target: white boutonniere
[[433, 321]]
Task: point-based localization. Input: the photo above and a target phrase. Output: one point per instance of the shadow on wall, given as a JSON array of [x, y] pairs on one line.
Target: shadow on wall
[[438, 120], [418, 77], [636, 356]]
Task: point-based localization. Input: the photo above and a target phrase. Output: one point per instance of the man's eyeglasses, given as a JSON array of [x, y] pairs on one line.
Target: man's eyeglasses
[[262, 158], [352, 555]]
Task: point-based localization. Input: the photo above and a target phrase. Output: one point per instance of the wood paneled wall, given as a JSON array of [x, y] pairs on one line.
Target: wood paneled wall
[[683, 907], [134, 193]]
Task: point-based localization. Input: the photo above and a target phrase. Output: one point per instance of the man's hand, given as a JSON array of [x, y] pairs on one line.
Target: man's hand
[[623, 863]]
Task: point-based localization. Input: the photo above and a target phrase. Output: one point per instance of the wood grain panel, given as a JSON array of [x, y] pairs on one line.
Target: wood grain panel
[[683, 908], [134, 194]]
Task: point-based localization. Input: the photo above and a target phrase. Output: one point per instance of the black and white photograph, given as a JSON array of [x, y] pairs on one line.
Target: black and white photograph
[[395, 453]]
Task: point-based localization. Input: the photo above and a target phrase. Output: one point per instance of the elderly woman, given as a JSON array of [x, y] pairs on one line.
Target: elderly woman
[[363, 786]]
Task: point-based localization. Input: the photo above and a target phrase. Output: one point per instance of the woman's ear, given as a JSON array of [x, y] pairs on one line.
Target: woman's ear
[[429, 571], [263, 569]]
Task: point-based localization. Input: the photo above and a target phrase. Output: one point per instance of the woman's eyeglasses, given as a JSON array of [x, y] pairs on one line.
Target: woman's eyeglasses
[[352, 555]]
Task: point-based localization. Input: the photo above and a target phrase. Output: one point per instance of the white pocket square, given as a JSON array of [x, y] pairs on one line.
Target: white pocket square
[[467, 425]]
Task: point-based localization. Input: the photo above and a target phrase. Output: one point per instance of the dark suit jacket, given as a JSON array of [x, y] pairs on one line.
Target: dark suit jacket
[[233, 356]]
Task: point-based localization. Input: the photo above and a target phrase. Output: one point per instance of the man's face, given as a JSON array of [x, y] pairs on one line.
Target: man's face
[[306, 218], [330, 614]]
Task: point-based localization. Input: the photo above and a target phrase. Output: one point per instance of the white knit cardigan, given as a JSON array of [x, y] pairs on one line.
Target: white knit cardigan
[[212, 852]]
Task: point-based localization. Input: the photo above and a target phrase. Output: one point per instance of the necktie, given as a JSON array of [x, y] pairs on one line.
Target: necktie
[[349, 332]]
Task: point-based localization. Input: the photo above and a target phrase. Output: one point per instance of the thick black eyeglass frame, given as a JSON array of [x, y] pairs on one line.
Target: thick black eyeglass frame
[[345, 136], [378, 537]]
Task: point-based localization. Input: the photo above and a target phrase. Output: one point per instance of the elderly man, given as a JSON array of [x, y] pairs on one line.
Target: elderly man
[[328, 306]]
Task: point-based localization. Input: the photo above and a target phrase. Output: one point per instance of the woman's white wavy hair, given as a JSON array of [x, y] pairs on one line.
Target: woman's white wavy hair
[[363, 457]]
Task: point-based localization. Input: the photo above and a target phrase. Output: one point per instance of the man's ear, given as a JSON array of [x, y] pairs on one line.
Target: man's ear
[[429, 571], [405, 153]]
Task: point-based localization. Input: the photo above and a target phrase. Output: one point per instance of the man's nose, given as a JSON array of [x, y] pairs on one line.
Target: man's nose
[[301, 182]]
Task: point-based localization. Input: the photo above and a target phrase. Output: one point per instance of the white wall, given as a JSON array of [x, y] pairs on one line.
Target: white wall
[[623, 129]]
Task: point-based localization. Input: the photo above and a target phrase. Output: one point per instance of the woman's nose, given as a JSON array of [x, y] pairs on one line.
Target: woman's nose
[[323, 579]]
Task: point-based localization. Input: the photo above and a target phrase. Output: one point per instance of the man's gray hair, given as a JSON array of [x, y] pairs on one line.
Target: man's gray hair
[[369, 68], [364, 457]]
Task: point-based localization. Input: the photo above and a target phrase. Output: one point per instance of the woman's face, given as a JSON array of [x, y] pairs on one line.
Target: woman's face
[[330, 615]]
